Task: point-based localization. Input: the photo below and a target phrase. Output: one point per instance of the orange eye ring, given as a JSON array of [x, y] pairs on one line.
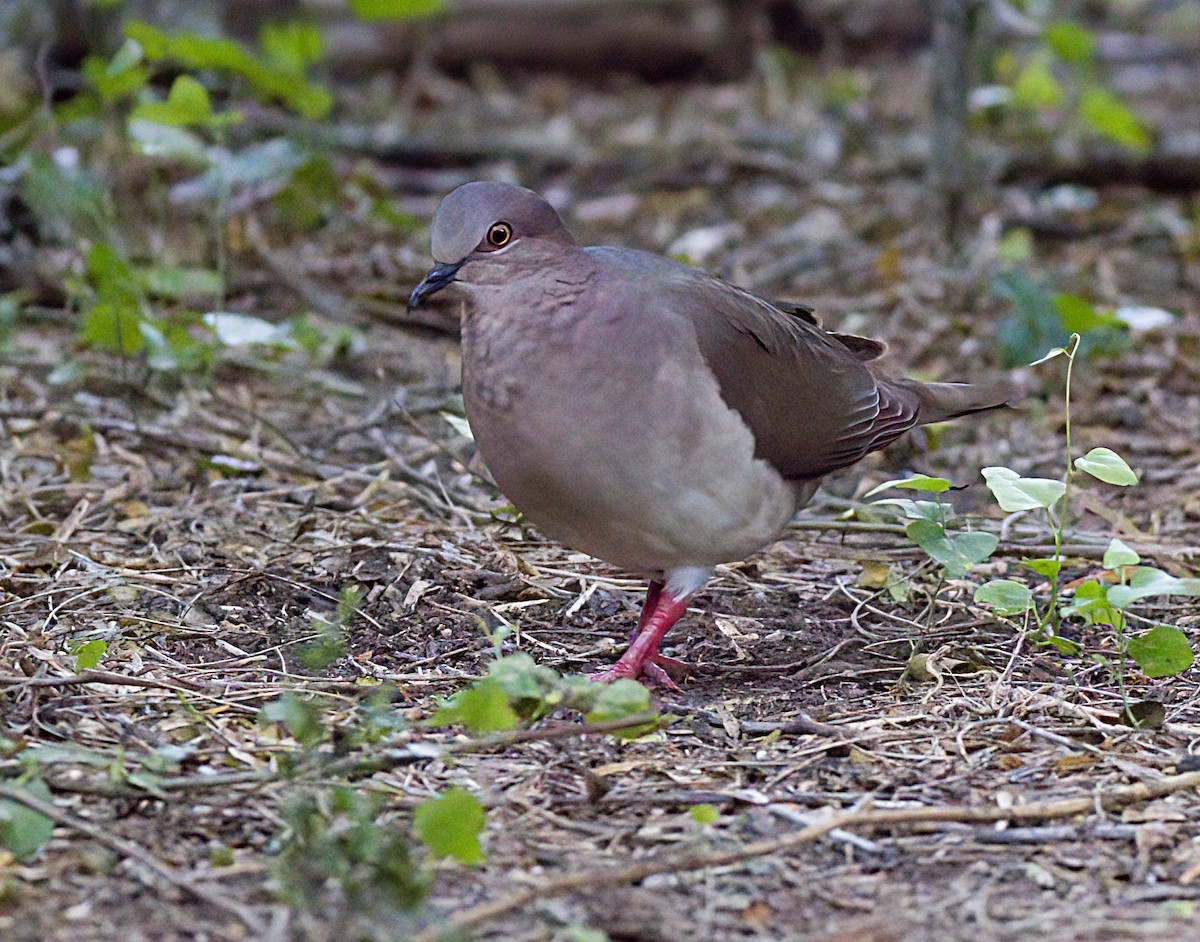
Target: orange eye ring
[[499, 235]]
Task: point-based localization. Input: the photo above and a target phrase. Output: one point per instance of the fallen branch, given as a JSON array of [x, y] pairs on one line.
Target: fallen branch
[[867, 819], [501, 740], [179, 686]]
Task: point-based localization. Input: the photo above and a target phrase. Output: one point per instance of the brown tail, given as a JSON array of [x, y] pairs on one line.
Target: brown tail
[[941, 402]]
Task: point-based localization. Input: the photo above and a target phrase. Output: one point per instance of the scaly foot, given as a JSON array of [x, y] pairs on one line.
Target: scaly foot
[[655, 671]]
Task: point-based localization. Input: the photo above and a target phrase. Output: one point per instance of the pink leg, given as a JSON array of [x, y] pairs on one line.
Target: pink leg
[[648, 607], [659, 667], [642, 657]]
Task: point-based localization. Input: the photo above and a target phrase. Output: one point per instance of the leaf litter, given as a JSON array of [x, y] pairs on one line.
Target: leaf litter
[[178, 559]]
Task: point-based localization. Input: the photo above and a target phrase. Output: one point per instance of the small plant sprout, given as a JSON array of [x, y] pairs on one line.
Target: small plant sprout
[[1102, 599], [517, 690], [955, 552]]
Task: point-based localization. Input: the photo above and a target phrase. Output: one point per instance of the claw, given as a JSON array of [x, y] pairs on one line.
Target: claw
[[642, 660], [652, 673]]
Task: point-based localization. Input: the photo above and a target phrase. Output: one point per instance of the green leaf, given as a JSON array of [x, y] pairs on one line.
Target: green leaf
[[1106, 465], [187, 103], [704, 813], [915, 509], [1161, 652], [1146, 581], [1118, 555], [1049, 355], [482, 707], [291, 47], [395, 9], [24, 831], [1044, 567], [301, 717], [167, 142], [620, 699], [535, 690], [1091, 603], [179, 283], [1005, 596], [154, 42], [1062, 645], [1078, 315], [1110, 117], [113, 325], [1036, 87], [268, 79], [957, 552], [1013, 492], [918, 482], [122, 75], [124, 59], [1071, 42], [450, 825], [88, 655]]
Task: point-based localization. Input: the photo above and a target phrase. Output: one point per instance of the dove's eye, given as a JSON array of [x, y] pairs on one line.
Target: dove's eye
[[499, 235]]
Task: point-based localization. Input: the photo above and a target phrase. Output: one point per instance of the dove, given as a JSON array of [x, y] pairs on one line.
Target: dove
[[646, 413]]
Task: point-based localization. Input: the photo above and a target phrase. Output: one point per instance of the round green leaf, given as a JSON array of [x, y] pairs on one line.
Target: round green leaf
[[88, 655], [1119, 554], [24, 831], [450, 825], [1013, 492], [957, 552], [1005, 596], [1161, 652], [704, 814], [1147, 581], [1106, 465], [1071, 42]]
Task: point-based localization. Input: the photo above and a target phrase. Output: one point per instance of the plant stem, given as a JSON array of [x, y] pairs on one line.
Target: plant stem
[[1060, 526]]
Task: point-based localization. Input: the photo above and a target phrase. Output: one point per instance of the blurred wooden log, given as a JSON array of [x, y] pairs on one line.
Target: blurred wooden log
[[652, 38], [1173, 166]]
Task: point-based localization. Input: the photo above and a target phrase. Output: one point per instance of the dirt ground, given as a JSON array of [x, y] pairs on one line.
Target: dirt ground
[[199, 528]]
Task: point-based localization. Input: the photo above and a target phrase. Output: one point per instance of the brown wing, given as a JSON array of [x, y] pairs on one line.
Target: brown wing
[[812, 404], [863, 348]]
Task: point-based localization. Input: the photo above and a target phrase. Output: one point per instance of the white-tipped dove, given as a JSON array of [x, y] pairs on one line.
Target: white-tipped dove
[[647, 413]]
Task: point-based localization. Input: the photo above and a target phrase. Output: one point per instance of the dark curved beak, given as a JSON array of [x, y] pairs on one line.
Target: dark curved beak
[[439, 276]]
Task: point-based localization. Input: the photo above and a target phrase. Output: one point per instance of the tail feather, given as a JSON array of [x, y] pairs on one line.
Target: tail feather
[[940, 402]]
